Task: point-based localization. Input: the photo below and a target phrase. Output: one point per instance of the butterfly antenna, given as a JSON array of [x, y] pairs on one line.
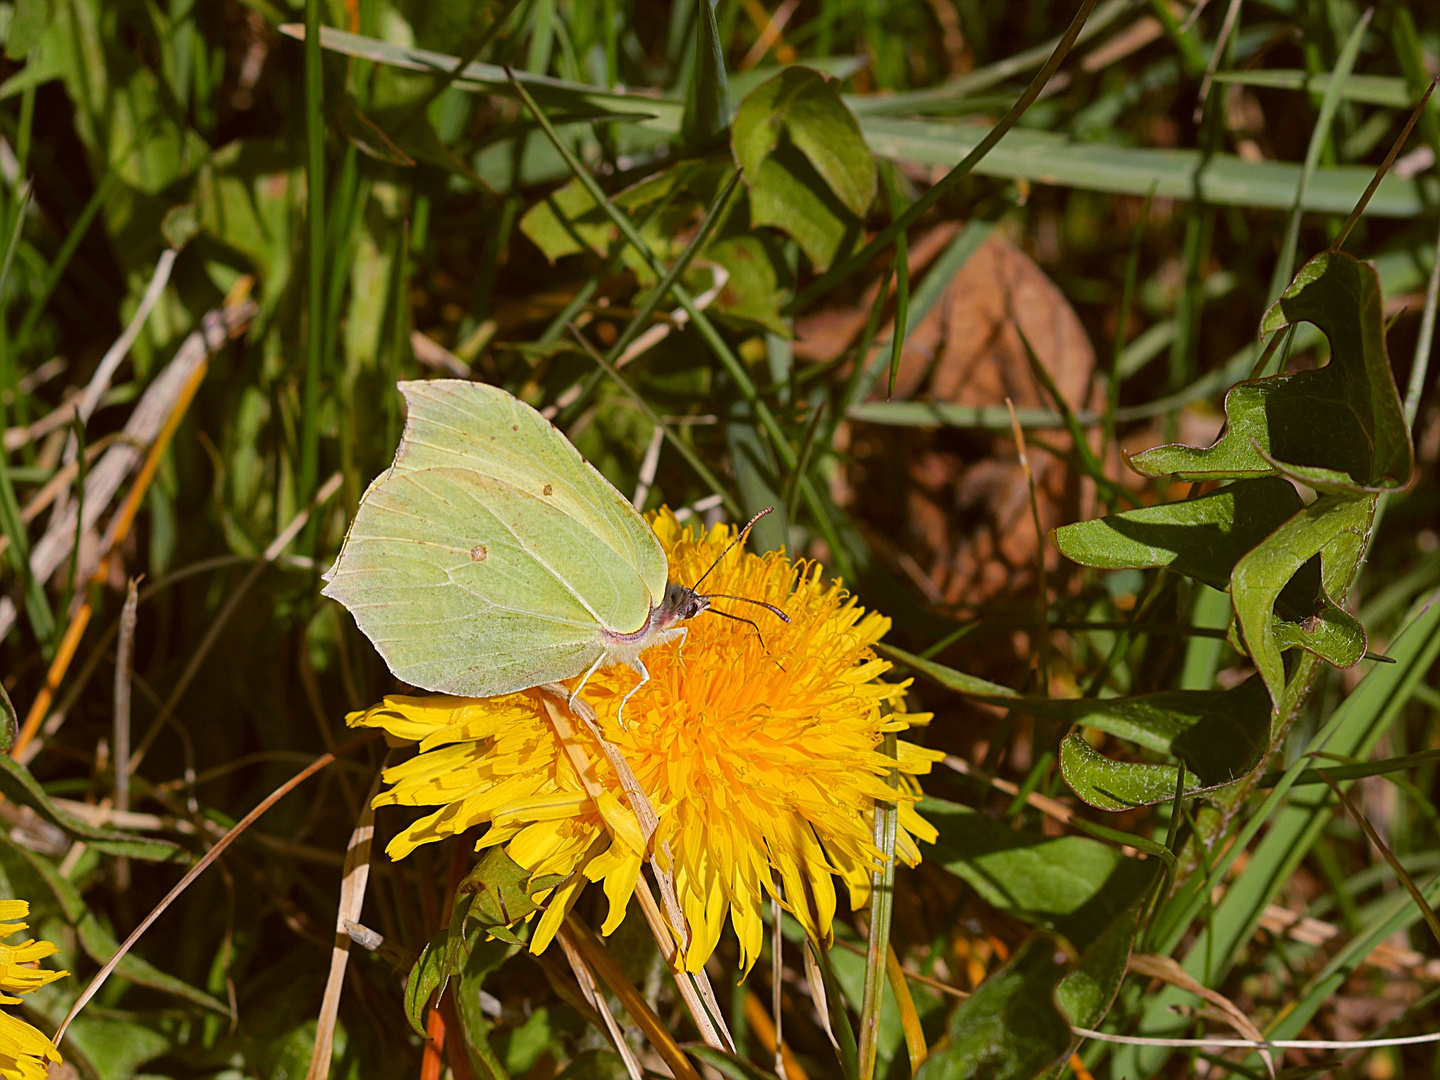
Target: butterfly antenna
[[746, 600], [739, 539], [753, 625]]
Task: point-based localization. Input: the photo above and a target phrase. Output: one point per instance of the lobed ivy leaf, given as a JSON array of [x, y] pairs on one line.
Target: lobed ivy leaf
[[1339, 428], [1202, 538], [1011, 1028], [1120, 785], [1333, 530], [1222, 735], [18, 785], [809, 170]]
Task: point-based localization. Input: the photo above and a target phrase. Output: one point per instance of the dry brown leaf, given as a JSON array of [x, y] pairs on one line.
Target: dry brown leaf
[[965, 513]]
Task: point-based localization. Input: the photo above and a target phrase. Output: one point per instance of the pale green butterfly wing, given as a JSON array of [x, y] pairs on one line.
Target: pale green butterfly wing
[[467, 575], [452, 422]]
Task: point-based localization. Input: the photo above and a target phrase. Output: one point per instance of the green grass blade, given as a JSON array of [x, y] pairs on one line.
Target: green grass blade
[[686, 451], [902, 281], [882, 904], [1285, 267], [315, 215]]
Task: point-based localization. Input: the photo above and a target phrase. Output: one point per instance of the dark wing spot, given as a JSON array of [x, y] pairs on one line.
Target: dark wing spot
[[548, 490], [478, 553], [514, 427]]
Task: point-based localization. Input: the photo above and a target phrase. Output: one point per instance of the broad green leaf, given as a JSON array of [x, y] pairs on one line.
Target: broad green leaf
[[28, 23], [568, 220], [1337, 428], [116, 1047], [707, 103], [1119, 785], [788, 194], [1086, 993], [809, 171], [752, 293], [1202, 538], [18, 785], [1075, 886], [99, 943], [1011, 1027], [1335, 529], [1071, 885], [802, 105]]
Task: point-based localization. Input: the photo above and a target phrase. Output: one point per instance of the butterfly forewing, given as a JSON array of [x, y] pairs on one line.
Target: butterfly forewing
[[469, 425], [491, 556]]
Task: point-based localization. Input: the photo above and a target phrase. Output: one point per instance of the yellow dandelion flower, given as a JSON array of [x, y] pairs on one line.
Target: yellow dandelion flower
[[759, 752], [25, 1053]]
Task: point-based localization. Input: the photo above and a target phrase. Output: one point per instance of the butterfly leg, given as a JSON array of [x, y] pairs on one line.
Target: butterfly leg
[[570, 701], [638, 665]]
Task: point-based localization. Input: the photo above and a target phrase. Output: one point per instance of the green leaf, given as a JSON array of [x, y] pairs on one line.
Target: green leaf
[[1070, 885], [485, 957], [1085, 890], [1367, 89], [752, 294], [554, 94], [1011, 1027], [1086, 993], [1217, 179], [809, 171], [1202, 538], [9, 725], [498, 893], [1119, 785], [27, 26], [1335, 529], [707, 103], [426, 978], [18, 785], [99, 943], [1220, 734], [1338, 428], [948, 677], [802, 104]]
